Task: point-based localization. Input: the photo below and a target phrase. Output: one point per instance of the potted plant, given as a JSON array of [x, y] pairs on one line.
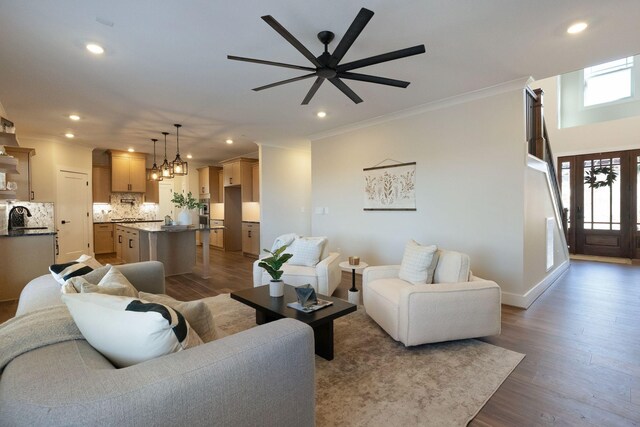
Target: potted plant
[[187, 204], [273, 264]]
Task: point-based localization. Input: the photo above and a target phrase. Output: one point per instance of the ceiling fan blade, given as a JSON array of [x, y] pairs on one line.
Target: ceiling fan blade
[[389, 56], [277, 64], [295, 79], [313, 90], [350, 36], [291, 39], [345, 89], [373, 79]]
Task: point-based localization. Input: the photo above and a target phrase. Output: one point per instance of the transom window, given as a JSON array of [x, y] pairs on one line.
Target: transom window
[[608, 82]]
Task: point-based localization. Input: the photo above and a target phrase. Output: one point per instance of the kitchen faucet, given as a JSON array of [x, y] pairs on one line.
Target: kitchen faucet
[[16, 217]]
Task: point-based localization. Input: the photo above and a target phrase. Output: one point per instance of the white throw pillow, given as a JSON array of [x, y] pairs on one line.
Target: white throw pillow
[[197, 313], [128, 331], [283, 240], [65, 271], [306, 250], [115, 278], [418, 263]]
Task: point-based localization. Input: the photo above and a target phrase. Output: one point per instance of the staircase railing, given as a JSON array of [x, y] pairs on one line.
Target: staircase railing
[[539, 146]]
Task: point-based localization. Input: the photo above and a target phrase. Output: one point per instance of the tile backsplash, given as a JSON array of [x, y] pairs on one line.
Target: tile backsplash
[[124, 205], [42, 214]]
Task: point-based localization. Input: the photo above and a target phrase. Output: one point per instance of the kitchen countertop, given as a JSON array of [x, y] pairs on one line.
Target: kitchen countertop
[[251, 222], [127, 222], [156, 227], [23, 232]]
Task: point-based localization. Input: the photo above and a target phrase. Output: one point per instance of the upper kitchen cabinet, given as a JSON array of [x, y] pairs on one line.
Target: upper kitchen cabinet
[[255, 181], [209, 183], [238, 172], [22, 179], [101, 184], [128, 172]]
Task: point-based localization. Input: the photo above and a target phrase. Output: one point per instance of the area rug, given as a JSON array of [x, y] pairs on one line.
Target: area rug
[[375, 381]]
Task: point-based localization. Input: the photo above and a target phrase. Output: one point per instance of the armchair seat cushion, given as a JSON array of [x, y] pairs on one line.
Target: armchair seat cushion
[[296, 275], [457, 306]]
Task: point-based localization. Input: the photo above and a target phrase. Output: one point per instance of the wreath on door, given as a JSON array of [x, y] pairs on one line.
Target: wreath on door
[[591, 177]]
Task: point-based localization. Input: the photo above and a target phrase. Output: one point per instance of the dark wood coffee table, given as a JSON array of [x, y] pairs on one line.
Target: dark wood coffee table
[[269, 309]]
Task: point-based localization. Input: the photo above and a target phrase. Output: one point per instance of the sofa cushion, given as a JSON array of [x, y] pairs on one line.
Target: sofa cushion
[[452, 267], [115, 278], [127, 331], [306, 251], [197, 313], [83, 265], [417, 263]]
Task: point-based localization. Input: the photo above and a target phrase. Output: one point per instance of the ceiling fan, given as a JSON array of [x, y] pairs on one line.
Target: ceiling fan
[[327, 66]]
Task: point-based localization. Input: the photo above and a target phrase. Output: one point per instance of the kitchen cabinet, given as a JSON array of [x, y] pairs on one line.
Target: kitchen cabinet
[[216, 237], [24, 192], [238, 172], [103, 238], [255, 180], [101, 184], [209, 183], [251, 239], [131, 246], [152, 191], [220, 186], [120, 242], [128, 172], [14, 251]]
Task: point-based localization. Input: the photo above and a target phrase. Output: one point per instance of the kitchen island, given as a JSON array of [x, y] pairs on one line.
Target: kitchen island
[[175, 247]]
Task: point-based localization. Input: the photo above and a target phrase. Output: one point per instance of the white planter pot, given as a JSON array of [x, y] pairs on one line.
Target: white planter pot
[[276, 288], [184, 217]]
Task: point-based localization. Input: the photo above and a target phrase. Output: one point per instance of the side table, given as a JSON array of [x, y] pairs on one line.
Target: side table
[[354, 293]]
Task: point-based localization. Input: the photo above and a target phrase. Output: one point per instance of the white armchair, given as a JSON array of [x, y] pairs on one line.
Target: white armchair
[[325, 276], [456, 306]]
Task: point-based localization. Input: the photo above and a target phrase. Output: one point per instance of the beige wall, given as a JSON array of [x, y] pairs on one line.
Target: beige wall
[[471, 188], [285, 192], [622, 134]]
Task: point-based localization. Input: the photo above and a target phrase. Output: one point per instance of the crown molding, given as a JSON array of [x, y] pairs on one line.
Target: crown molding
[[509, 86]]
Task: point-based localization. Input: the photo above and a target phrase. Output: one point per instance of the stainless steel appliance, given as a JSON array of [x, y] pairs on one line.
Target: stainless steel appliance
[[204, 216]]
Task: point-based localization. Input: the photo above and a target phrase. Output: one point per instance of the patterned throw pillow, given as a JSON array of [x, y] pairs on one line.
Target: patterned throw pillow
[[418, 263], [196, 312], [83, 265], [306, 250], [128, 331]]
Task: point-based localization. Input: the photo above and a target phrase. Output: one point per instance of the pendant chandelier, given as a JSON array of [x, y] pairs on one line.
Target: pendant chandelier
[[166, 168], [180, 167], [155, 174]]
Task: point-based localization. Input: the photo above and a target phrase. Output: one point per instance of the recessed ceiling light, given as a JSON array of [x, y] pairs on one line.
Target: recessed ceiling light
[[131, 150], [69, 135], [74, 117], [229, 141], [189, 156], [96, 49], [321, 114], [576, 28]]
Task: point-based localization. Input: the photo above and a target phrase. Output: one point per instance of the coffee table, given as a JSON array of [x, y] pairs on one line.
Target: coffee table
[[269, 309]]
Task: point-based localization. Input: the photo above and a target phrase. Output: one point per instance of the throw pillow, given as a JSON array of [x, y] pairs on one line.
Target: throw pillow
[[196, 312], [115, 278], [418, 263], [97, 274], [128, 331], [83, 265], [306, 250], [285, 239]]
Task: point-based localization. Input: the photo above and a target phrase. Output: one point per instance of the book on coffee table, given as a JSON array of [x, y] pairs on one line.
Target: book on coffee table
[[308, 309]]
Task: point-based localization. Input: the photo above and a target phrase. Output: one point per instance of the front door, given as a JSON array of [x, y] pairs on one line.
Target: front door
[[600, 191], [72, 215]]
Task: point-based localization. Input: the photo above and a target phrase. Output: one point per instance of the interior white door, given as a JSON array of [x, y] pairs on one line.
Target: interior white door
[[72, 215], [165, 207]]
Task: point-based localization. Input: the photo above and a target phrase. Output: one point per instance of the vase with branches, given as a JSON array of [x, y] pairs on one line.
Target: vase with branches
[[186, 203]]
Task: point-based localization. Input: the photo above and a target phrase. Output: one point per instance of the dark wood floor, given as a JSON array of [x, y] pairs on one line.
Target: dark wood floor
[[581, 338]]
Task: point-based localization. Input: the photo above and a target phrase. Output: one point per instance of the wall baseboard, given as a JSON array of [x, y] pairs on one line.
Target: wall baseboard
[[525, 301]]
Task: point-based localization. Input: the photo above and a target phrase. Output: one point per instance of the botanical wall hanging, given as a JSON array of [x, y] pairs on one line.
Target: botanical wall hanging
[[390, 188]]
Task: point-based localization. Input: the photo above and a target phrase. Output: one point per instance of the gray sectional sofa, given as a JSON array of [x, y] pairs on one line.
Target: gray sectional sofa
[[263, 376]]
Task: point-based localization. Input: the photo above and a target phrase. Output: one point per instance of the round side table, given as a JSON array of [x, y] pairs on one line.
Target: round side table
[[354, 293]]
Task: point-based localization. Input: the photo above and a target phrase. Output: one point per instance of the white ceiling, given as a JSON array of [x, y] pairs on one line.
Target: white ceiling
[[165, 63]]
